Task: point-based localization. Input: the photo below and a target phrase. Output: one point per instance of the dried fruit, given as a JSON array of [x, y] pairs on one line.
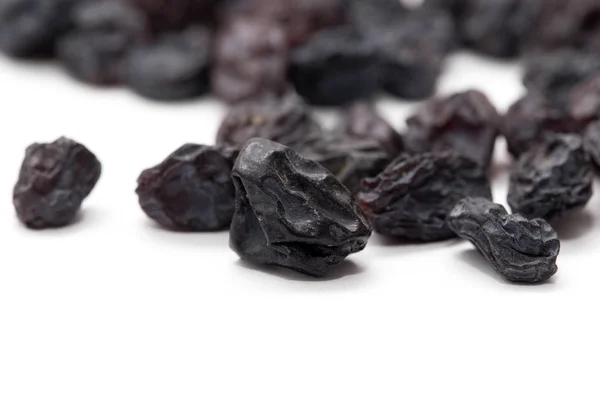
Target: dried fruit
[[172, 15], [250, 60], [584, 105], [176, 67], [291, 212], [552, 178], [287, 121], [54, 180], [376, 15], [191, 189], [519, 249], [105, 32], [412, 197], [591, 142], [30, 28], [336, 67], [465, 122]]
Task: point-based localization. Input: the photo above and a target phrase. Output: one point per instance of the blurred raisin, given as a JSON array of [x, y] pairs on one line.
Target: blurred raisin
[[176, 67], [30, 28], [191, 190], [551, 179], [173, 15], [591, 143], [466, 122], [519, 249], [336, 67], [105, 32], [291, 212], [250, 60], [288, 121], [375, 14], [54, 180], [412, 197], [584, 104]]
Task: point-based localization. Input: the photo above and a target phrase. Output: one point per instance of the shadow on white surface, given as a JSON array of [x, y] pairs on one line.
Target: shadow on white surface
[[345, 269], [196, 239], [575, 225]]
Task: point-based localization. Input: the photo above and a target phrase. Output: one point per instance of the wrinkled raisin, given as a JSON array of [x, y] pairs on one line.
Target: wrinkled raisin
[[54, 180], [176, 67], [292, 212], [105, 32], [30, 28], [250, 60], [335, 67], [466, 122], [412, 197], [191, 190], [552, 178], [519, 249]]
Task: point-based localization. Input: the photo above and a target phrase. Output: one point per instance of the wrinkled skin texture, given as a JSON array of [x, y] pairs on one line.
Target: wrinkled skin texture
[[288, 121], [176, 67], [173, 15], [519, 249], [30, 28], [191, 190], [336, 67], [412, 197], [466, 123], [250, 60], [54, 180], [292, 212], [105, 32], [591, 143], [551, 179]]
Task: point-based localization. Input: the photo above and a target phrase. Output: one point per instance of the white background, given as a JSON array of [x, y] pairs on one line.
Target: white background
[[114, 307]]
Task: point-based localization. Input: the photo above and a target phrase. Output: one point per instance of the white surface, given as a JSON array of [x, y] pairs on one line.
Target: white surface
[[116, 308]]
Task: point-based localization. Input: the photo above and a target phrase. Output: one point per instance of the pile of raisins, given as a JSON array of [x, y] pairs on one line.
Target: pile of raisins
[[300, 196]]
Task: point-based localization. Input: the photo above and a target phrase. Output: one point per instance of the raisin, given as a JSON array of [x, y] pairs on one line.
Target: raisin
[[465, 122], [287, 121], [105, 32], [292, 212], [191, 190], [556, 74], [591, 142], [412, 197], [584, 104], [376, 14], [336, 67], [176, 67], [519, 249], [54, 180], [30, 28], [173, 15], [552, 178]]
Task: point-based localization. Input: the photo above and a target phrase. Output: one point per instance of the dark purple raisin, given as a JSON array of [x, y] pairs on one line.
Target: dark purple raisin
[[466, 122], [288, 121], [250, 60], [176, 67], [591, 143], [292, 212], [30, 28], [174, 15], [191, 190], [519, 249], [551, 179], [105, 32], [411, 199], [336, 67], [54, 180]]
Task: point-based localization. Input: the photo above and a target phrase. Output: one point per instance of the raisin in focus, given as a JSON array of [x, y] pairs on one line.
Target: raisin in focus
[[292, 212], [176, 67], [519, 249], [191, 190], [54, 180], [551, 179], [412, 197]]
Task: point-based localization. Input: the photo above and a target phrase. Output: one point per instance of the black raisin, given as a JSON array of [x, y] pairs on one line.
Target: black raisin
[[412, 197], [292, 212], [554, 177], [30, 28], [519, 249], [54, 180], [250, 60], [335, 67], [466, 122], [176, 67], [105, 32], [191, 189]]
